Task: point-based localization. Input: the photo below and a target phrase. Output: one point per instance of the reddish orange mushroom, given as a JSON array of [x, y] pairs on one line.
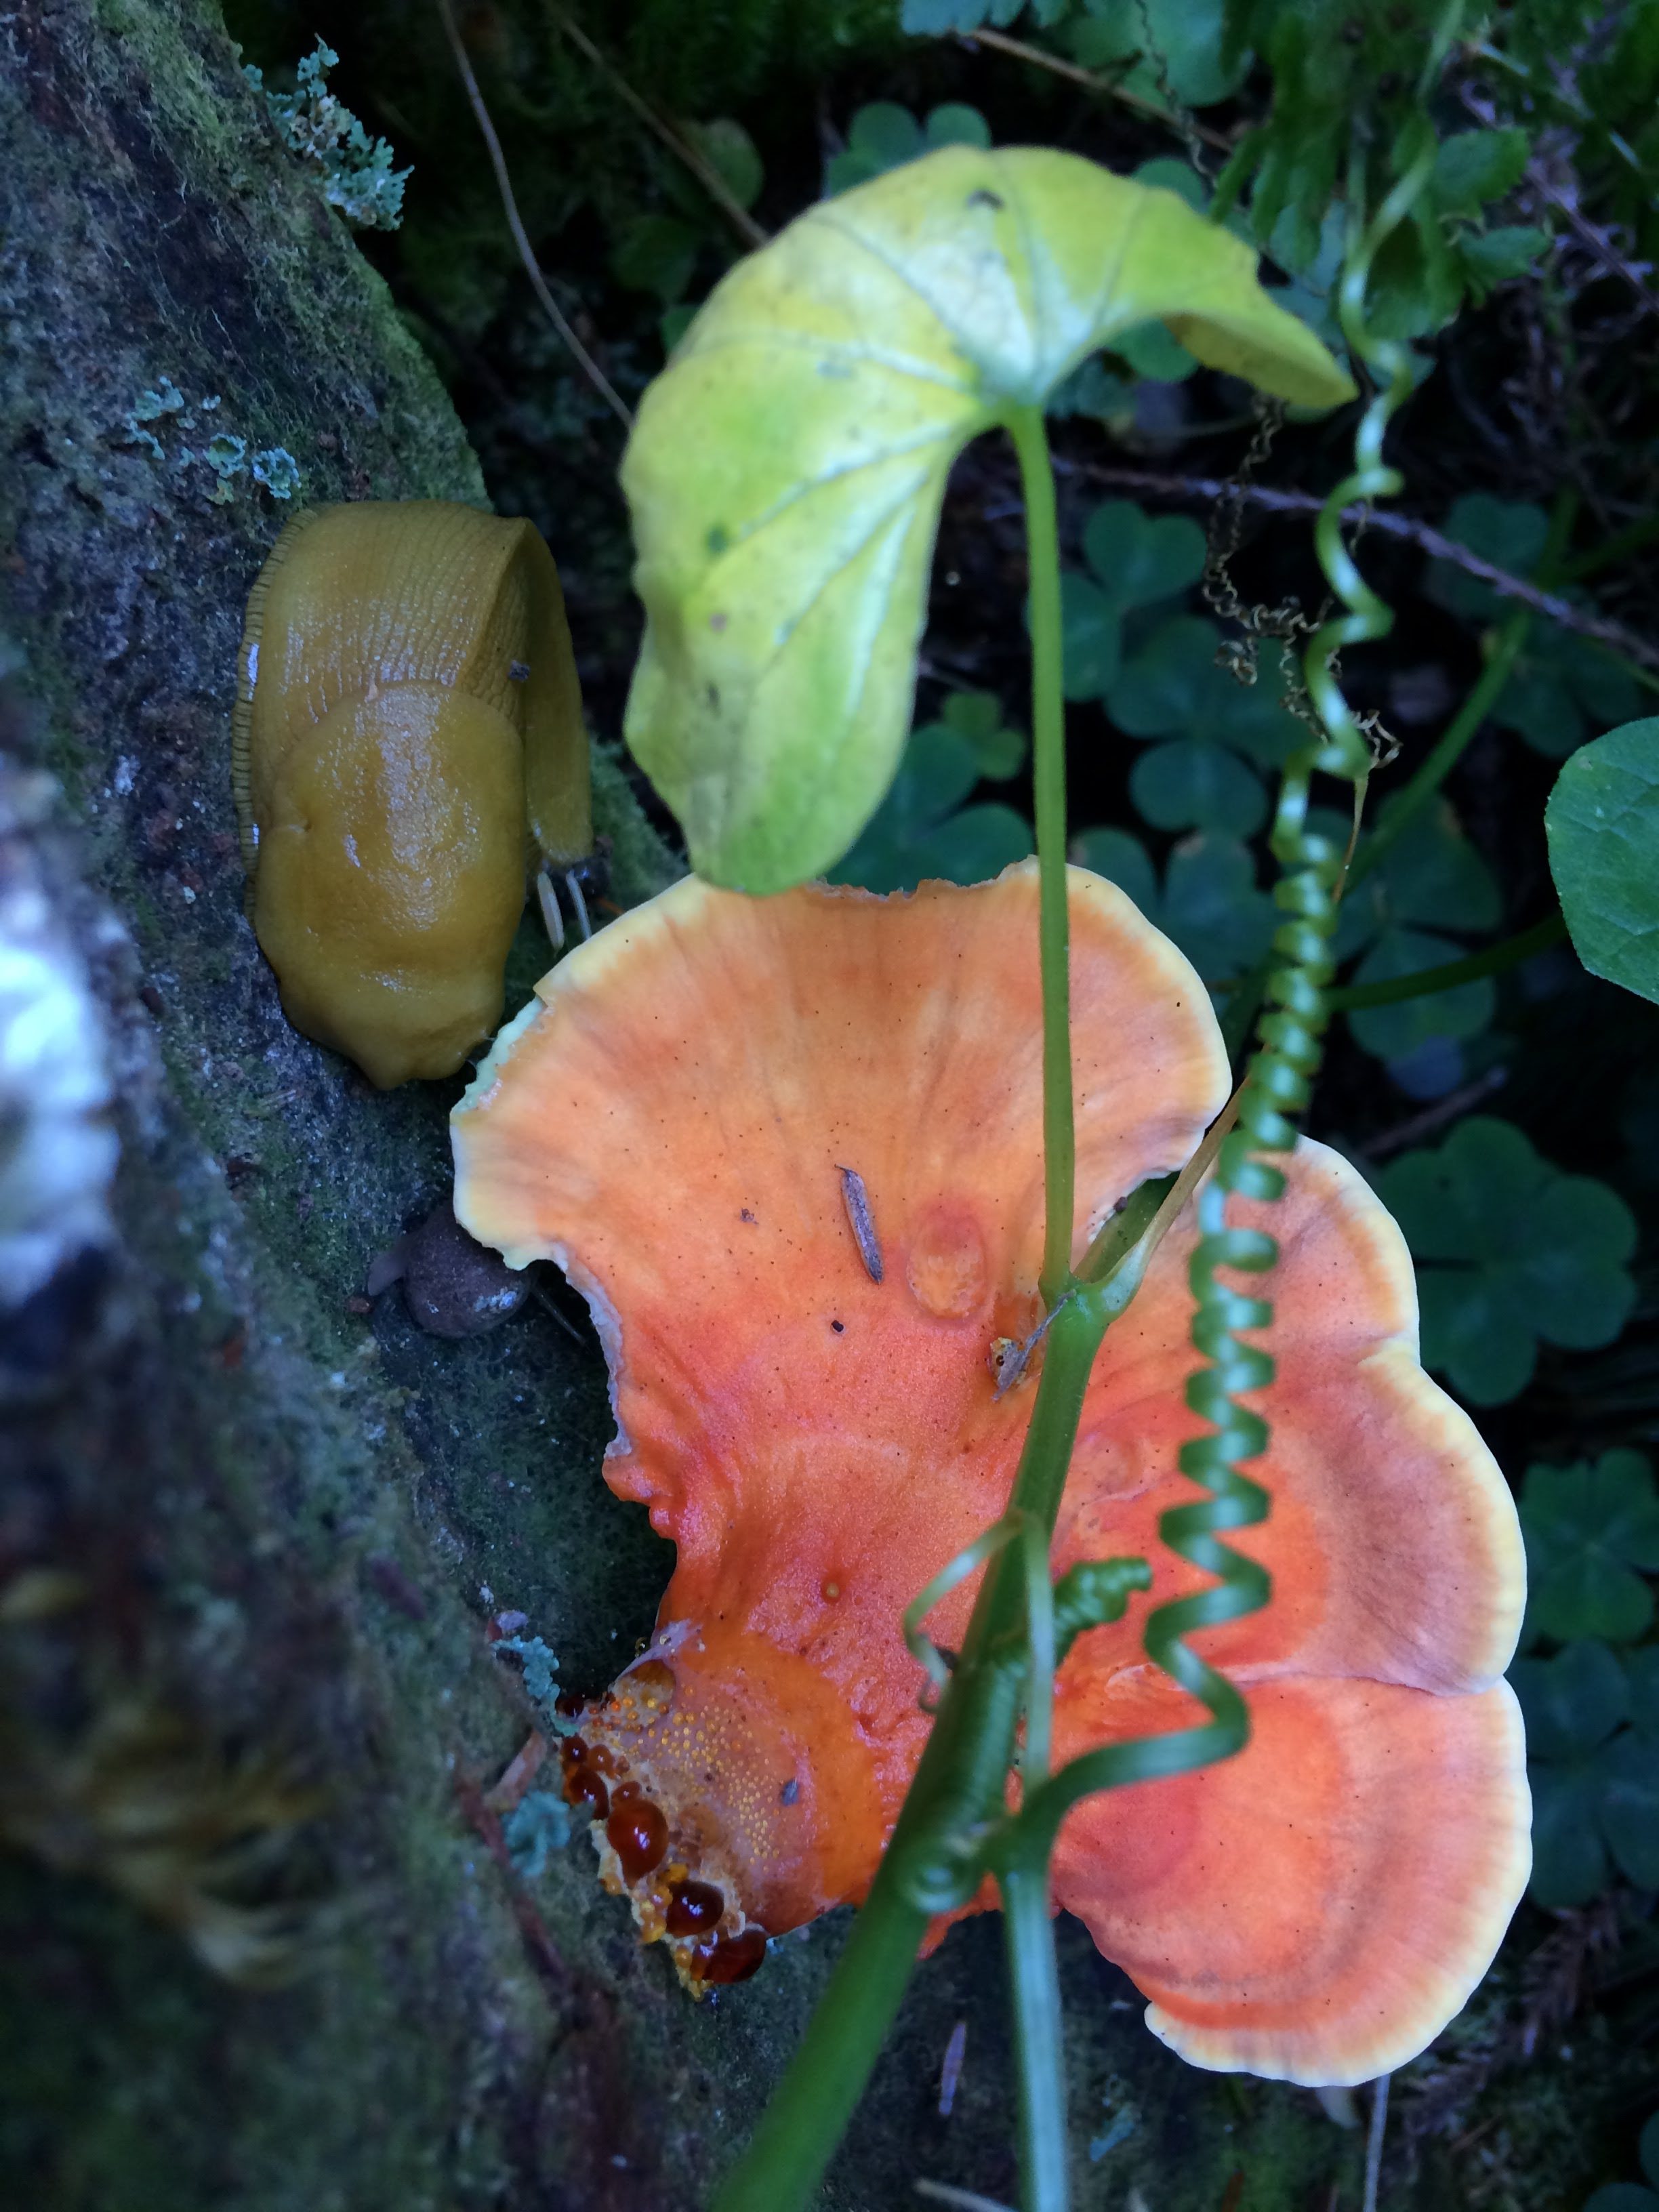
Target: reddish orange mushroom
[[806, 1402]]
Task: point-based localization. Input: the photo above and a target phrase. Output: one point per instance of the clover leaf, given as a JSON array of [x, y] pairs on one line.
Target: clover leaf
[[1594, 1780], [1562, 685], [1602, 820], [921, 830], [786, 470], [1210, 903], [1175, 688], [1090, 643], [1572, 1705], [1140, 558], [1135, 560], [1430, 879], [1190, 784], [883, 136], [1508, 1250], [1562, 688], [1589, 1527]]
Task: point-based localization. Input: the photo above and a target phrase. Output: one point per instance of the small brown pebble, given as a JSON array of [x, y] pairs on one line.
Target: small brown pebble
[[453, 1285], [358, 1305]]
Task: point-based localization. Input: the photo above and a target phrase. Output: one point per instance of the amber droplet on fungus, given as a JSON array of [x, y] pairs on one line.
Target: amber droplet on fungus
[[694, 1906], [733, 1959], [583, 1787], [638, 1834]]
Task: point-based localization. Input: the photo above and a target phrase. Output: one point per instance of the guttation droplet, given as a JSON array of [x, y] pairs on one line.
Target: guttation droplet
[[638, 1834], [693, 1906], [733, 1959]]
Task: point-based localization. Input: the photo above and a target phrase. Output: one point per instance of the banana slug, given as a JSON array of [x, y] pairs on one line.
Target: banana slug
[[408, 750]]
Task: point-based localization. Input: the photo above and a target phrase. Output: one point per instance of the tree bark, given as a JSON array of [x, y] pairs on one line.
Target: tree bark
[[251, 1533]]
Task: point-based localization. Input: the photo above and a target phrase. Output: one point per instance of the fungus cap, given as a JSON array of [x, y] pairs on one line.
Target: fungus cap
[[672, 1121]]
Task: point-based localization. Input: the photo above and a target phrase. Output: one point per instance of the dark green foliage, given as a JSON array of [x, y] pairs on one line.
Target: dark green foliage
[[922, 828], [1508, 1250], [884, 135], [1209, 902], [1593, 1734], [1165, 49], [1628, 2196], [1432, 879], [1603, 824], [1216, 730], [1591, 1529], [1563, 686]]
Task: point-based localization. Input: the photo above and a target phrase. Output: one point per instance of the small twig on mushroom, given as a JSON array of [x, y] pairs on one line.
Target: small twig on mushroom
[[595, 375], [857, 1201], [518, 1774]]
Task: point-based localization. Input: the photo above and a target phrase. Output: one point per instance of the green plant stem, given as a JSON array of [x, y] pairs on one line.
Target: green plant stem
[[810, 2109], [1049, 772], [966, 1758], [1454, 742], [1034, 1980], [1465, 724], [1493, 961], [962, 1775], [1634, 539]]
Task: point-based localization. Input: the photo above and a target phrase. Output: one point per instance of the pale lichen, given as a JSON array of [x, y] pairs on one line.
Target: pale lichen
[[356, 170]]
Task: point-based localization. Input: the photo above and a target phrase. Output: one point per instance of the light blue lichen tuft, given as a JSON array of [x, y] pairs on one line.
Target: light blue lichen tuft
[[541, 1679], [277, 470], [356, 170], [537, 1826], [225, 453]]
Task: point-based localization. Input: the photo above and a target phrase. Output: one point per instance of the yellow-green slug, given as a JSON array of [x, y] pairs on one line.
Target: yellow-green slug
[[408, 749]]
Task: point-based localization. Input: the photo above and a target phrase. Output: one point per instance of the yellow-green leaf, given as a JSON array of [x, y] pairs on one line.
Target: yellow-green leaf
[[786, 469]]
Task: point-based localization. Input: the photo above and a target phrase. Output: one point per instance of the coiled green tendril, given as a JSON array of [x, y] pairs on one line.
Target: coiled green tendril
[[1291, 1038]]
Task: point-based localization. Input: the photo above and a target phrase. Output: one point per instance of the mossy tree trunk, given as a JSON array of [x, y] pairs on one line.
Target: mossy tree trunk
[[233, 1503]]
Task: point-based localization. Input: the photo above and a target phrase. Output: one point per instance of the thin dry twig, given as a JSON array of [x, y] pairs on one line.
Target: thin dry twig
[[1389, 525], [1418, 1126], [1601, 242], [1078, 75], [555, 314], [701, 168], [1374, 2140]]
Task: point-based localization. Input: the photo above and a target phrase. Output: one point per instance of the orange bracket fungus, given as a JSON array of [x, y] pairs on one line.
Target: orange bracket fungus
[[712, 1116], [408, 744]]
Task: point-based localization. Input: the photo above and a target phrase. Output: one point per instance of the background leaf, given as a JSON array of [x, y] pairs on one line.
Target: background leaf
[[1588, 1528], [1509, 1249], [1603, 826], [786, 470]]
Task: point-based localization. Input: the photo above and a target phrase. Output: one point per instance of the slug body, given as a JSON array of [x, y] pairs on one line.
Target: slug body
[[409, 732]]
